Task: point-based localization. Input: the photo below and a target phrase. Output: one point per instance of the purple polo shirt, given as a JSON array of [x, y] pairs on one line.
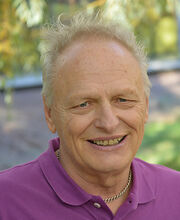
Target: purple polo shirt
[[42, 190]]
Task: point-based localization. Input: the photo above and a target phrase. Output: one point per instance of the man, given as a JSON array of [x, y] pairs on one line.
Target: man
[[96, 95]]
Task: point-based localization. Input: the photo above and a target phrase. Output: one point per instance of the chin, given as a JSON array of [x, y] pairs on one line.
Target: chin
[[108, 166]]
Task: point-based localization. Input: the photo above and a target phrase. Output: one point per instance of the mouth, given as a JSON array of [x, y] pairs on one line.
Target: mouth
[[108, 142]]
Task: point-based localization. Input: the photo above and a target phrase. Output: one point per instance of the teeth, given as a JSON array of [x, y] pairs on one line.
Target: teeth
[[107, 142], [111, 142]]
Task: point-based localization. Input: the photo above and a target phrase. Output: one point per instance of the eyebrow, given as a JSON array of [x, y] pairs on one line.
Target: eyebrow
[[83, 96], [95, 95], [129, 91]]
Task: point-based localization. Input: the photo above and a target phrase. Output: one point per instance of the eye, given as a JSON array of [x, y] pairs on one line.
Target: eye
[[122, 100], [84, 104]]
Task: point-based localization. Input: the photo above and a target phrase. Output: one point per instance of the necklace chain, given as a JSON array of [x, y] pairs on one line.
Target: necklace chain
[[110, 199]]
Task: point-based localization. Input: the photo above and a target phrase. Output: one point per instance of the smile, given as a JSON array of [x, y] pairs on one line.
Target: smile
[[109, 142]]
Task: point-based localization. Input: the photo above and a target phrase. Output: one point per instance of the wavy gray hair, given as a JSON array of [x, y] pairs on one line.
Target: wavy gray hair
[[57, 36]]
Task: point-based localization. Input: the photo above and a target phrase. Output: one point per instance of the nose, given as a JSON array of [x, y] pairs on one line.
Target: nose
[[106, 119]]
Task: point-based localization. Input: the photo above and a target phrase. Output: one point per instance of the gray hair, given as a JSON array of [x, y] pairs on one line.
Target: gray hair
[[58, 36]]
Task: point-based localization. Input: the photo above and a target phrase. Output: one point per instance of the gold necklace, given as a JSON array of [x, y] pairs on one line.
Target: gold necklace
[[110, 199]]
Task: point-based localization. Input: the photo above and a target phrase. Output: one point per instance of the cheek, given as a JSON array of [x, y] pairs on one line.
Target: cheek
[[76, 125], [135, 118]]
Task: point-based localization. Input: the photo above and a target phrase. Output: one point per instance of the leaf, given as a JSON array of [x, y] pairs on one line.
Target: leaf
[[30, 11]]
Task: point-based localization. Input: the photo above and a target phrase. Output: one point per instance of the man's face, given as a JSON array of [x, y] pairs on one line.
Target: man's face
[[99, 107]]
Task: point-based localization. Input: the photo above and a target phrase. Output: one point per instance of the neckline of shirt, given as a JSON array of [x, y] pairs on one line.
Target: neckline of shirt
[[70, 193]]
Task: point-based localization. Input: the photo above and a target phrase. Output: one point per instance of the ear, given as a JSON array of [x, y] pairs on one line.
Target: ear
[[147, 109], [48, 116]]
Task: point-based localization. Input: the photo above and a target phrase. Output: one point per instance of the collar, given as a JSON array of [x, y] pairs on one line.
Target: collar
[[143, 189], [144, 182], [66, 189]]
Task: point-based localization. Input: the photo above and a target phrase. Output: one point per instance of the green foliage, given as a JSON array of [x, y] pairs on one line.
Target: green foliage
[[29, 11], [64, 8], [161, 144], [152, 21], [20, 24], [19, 36], [166, 36]]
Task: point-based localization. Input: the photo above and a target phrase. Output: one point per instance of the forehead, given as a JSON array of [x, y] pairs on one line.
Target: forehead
[[86, 50], [97, 62]]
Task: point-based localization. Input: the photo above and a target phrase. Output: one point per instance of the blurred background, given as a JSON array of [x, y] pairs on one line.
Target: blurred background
[[23, 131]]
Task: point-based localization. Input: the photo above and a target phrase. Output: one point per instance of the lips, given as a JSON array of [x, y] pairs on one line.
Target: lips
[[107, 141]]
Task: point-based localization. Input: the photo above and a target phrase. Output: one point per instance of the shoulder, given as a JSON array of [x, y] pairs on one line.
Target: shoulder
[[162, 175], [17, 184], [17, 175], [162, 183]]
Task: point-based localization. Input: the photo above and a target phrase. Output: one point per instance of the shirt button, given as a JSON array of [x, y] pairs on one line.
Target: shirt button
[[97, 205]]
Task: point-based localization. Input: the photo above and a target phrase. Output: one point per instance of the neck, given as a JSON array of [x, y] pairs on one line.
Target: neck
[[101, 184]]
